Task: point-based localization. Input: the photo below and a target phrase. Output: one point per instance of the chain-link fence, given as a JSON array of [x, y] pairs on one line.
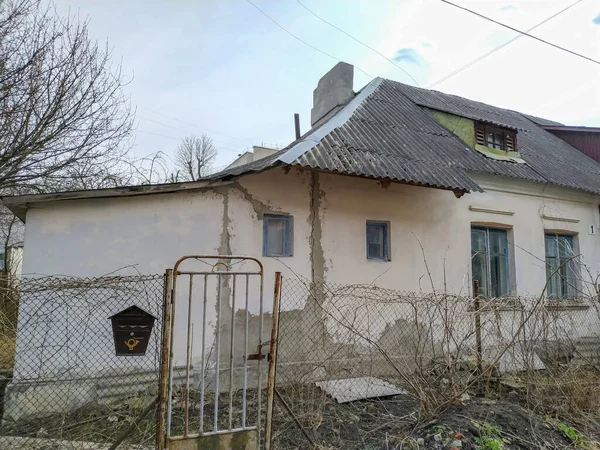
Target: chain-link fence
[[65, 387], [344, 343], [67, 379]]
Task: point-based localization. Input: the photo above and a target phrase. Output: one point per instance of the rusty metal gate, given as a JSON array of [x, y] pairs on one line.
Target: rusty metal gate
[[214, 360]]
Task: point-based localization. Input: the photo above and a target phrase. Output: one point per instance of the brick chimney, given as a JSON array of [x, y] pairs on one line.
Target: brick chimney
[[334, 89]]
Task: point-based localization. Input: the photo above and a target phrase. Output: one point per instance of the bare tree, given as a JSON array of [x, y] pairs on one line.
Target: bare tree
[[11, 235], [195, 156], [63, 117]]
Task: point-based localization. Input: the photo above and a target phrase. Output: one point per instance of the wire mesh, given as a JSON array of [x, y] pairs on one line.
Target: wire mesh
[[341, 342], [63, 385]]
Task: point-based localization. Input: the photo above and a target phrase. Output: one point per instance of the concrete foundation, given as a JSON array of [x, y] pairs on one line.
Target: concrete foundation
[[33, 399]]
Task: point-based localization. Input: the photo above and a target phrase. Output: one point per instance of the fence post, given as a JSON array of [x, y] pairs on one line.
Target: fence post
[[163, 392], [477, 310], [272, 361]]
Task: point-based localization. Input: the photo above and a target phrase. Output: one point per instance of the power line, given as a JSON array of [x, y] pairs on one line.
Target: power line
[[196, 126], [159, 134], [158, 122], [299, 39], [359, 41], [522, 32], [179, 129], [219, 147], [494, 50]]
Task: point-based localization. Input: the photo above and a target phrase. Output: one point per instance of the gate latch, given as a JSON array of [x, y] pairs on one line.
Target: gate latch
[[258, 356]]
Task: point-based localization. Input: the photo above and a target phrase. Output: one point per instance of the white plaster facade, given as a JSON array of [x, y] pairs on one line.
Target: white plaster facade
[[147, 234], [428, 227]]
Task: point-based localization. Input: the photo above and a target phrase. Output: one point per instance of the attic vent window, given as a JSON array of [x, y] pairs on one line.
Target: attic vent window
[[495, 137]]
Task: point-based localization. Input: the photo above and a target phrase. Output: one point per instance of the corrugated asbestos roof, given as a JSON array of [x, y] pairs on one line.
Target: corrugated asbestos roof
[[388, 132], [542, 122]]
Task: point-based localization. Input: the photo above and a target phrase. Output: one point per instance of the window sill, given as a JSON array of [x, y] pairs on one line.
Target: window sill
[[500, 304], [566, 305], [499, 154], [375, 260]]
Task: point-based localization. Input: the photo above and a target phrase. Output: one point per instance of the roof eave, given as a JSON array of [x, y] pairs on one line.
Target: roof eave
[[459, 192], [19, 204], [571, 128]]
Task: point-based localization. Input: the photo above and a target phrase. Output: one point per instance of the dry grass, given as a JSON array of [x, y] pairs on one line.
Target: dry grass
[[571, 391], [7, 353]]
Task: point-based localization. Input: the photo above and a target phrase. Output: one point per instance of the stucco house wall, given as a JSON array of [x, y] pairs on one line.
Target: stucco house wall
[[147, 234]]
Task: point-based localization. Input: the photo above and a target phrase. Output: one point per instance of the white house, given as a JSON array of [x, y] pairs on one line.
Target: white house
[[349, 199], [258, 152], [386, 179], [12, 262]]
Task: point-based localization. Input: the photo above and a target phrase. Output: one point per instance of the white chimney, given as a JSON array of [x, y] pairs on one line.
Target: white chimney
[[334, 89]]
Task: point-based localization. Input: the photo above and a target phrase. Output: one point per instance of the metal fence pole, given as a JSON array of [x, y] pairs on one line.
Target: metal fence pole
[[477, 310], [161, 428], [272, 361]]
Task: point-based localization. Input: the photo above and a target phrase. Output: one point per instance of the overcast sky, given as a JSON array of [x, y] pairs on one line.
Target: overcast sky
[[223, 68]]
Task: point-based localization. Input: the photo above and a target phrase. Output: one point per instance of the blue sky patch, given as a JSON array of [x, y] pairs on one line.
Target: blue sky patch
[[407, 54], [596, 20], [508, 7]]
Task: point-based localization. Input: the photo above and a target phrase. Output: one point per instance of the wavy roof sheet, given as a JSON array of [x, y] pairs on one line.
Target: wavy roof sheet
[[387, 131]]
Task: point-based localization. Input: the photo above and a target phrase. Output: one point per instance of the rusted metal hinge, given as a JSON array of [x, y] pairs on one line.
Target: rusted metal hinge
[[258, 356]]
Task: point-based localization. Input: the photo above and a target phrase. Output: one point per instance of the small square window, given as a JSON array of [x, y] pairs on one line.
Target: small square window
[[495, 137], [277, 235], [495, 140], [378, 241]]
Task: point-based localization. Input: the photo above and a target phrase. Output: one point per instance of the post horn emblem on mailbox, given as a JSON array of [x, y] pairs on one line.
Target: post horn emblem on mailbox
[[132, 328], [131, 343]]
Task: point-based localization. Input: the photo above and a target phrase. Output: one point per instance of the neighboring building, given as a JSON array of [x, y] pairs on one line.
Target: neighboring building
[[11, 262], [585, 139], [393, 185], [258, 152], [11, 244]]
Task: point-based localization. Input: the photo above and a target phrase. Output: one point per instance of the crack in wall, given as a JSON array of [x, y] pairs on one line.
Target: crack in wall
[[259, 207], [223, 304], [225, 238], [227, 316], [317, 258], [311, 316]]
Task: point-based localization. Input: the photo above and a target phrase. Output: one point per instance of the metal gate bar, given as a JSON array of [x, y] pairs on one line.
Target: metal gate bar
[[218, 272], [203, 362], [245, 385]]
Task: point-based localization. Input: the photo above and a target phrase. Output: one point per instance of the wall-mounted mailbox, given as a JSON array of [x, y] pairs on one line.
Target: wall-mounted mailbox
[[132, 328]]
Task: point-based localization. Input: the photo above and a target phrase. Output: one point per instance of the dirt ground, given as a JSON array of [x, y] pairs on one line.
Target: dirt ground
[[391, 423], [366, 424], [88, 425], [377, 424], [493, 425]]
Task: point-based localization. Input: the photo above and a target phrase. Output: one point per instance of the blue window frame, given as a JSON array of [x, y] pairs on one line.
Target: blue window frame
[[378, 241], [277, 235], [561, 269], [489, 261]]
